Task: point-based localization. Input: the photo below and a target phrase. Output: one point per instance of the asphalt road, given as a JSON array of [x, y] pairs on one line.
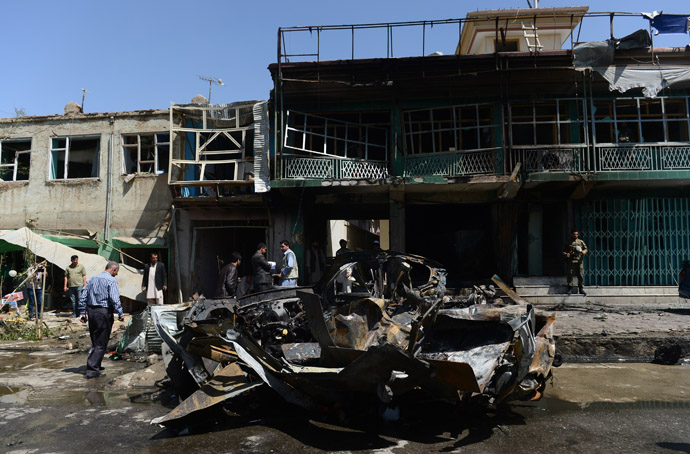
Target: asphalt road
[[46, 406]]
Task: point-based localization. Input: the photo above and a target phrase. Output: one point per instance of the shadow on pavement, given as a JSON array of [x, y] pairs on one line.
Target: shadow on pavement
[[680, 447], [357, 425]]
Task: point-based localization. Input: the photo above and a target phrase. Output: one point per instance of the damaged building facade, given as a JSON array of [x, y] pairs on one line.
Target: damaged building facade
[[482, 160], [96, 182], [219, 180], [485, 159]]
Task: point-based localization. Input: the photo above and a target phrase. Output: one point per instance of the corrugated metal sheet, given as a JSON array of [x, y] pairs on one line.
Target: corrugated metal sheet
[[262, 174]]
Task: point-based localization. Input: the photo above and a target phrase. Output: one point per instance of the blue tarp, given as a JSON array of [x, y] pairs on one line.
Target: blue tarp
[[669, 23]]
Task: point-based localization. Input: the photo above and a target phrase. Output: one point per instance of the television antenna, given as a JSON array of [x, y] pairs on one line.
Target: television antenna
[[211, 80], [536, 3]]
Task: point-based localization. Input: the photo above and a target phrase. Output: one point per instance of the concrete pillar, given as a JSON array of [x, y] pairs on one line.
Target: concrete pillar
[[505, 224], [397, 218], [184, 251], [534, 236]]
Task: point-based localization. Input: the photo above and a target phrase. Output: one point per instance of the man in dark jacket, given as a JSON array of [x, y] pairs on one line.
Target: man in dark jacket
[[154, 284], [227, 280], [261, 268]]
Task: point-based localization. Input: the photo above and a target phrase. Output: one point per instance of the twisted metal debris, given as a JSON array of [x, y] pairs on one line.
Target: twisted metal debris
[[380, 325]]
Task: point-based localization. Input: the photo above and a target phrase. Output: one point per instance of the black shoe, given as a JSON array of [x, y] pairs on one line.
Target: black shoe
[[99, 375], [101, 368], [582, 292]]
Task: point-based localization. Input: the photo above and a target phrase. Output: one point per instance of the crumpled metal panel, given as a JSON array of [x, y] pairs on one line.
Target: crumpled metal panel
[[226, 384], [316, 347], [364, 323]]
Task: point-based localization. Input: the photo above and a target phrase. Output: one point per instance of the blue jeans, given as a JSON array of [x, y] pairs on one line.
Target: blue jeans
[[288, 283], [33, 303], [74, 294]]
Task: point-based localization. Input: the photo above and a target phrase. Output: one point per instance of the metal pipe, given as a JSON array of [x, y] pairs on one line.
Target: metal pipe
[[108, 193], [39, 316]]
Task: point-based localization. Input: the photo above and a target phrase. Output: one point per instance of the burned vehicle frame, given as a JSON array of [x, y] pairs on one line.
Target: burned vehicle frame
[[377, 324]]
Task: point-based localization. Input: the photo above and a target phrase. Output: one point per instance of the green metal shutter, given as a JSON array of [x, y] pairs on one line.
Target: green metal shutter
[[634, 242]]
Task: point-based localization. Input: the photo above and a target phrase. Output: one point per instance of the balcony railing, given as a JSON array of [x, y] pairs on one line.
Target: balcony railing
[[569, 159], [454, 163], [602, 158], [641, 157], [326, 168]]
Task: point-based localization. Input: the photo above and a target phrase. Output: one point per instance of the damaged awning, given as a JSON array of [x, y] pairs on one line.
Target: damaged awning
[[652, 79], [128, 279], [131, 241]]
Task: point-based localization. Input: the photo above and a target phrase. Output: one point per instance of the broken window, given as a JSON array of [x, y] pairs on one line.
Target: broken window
[[217, 144], [353, 135], [145, 153], [15, 159], [557, 122], [74, 157], [641, 120], [507, 45], [469, 127], [676, 112]]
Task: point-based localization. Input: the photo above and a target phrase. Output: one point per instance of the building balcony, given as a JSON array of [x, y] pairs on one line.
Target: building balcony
[[538, 163], [604, 161], [641, 157], [453, 163], [294, 167]]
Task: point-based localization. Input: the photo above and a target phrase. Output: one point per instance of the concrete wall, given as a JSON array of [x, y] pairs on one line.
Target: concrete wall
[[139, 207]]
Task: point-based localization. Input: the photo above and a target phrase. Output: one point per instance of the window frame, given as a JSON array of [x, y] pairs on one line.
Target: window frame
[[334, 137], [437, 127], [642, 119], [66, 149], [15, 164], [156, 144], [556, 121]]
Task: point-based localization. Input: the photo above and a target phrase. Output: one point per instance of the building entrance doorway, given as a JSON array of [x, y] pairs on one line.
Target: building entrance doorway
[[212, 247]]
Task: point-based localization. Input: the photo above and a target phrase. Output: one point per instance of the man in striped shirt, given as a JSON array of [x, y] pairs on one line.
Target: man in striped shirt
[[99, 299]]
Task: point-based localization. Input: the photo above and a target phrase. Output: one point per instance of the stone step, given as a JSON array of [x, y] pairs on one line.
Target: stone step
[[650, 301], [539, 280], [540, 290]]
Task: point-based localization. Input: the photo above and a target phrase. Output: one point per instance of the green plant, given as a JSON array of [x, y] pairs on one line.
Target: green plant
[[15, 330]]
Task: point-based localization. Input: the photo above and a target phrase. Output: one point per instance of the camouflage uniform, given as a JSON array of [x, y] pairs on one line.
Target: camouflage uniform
[[575, 263]]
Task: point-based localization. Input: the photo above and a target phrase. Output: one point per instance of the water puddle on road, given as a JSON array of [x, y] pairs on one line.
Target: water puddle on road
[[618, 386], [67, 398], [15, 361], [553, 407], [13, 395]]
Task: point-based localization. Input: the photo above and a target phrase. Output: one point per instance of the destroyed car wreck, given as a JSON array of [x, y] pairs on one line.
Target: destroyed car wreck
[[378, 324]]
